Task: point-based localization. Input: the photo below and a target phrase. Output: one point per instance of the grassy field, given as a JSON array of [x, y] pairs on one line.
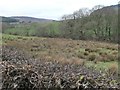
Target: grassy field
[[98, 55]]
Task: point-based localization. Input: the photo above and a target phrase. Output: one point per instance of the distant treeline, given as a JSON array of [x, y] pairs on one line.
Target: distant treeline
[[99, 23], [47, 29], [8, 20]]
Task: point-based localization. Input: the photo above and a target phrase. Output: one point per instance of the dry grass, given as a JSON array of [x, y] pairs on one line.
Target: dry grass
[[92, 57], [65, 50], [113, 69]]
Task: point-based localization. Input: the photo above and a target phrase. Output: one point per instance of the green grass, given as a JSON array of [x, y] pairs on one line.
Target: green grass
[[100, 65], [7, 37]]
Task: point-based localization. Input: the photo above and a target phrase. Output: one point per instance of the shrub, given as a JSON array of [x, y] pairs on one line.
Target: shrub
[[87, 49], [24, 38], [102, 53], [86, 53], [20, 37], [92, 57]]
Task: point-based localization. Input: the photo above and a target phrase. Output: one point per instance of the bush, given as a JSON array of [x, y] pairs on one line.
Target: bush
[[81, 55], [86, 53], [92, 57]]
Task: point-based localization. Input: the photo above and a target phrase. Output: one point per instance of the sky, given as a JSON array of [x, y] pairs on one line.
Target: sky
[[49, 9]]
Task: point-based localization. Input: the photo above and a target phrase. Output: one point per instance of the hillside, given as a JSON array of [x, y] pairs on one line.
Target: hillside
[[107, 10], [23, 19], [95, 24], [8, 19], [30, 19]]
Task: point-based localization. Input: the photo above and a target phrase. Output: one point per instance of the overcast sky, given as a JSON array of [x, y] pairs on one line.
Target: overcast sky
[[51, 9]]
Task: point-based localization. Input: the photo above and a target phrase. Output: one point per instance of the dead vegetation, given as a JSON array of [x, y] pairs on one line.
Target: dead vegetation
[[57, 63], [66, 48], [33, 74]]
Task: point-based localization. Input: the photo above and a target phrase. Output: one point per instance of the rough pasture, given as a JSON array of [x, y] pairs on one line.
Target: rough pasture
[[35, 63]]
